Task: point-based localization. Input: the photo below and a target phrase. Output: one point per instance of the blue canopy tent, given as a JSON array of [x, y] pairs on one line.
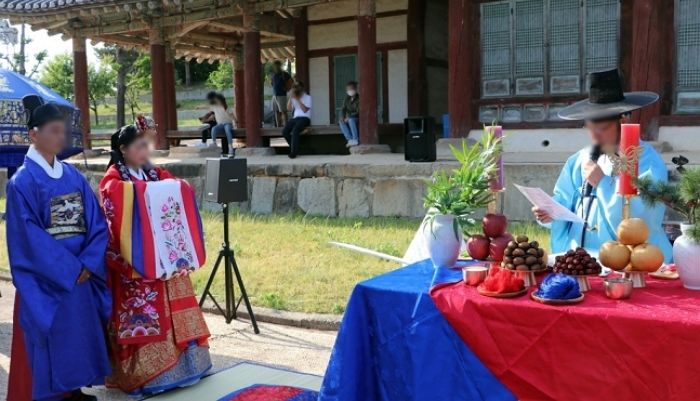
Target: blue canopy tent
[[14, 138]]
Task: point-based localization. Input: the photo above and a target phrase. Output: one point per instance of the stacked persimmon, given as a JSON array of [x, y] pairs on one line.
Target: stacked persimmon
[[631, 252]]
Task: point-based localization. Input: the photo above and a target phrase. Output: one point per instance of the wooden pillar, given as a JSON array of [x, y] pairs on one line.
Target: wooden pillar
[[460, 71], [239, 86], [301, 46], [417, 71], [253, 83], [171, 101], [158, 86], [367, 60], [650, 58], [80, 88]]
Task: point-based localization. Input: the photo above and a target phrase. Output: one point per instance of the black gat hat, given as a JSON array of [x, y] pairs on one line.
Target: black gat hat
[[39, 113], [606, 99]]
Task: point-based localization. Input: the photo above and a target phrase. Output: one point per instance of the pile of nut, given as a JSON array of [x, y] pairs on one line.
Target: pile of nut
[[576, 263], [522, 254]]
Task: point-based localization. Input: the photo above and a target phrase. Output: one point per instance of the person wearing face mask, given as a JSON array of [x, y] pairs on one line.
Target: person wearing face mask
[[56, 240], [600, 206], [351, 115], [300, 103]]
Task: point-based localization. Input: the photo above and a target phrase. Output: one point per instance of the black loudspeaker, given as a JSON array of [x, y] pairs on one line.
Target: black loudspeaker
[[227, 181], [419, 139]]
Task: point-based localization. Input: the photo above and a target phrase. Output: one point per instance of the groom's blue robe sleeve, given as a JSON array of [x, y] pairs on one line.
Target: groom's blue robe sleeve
[[92, 255]]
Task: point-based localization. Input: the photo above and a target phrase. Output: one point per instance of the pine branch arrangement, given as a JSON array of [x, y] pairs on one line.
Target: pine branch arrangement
[[682, 196]]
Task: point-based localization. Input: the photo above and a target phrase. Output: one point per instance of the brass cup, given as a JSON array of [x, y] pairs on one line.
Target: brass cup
[[474, 275]]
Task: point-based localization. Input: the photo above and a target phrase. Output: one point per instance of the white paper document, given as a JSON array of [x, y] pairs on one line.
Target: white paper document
[[543, 201]]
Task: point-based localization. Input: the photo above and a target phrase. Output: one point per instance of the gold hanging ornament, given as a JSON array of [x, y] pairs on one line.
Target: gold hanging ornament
[[626, 162]]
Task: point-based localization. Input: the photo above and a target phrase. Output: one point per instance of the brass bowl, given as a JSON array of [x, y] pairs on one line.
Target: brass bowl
[[618, 288], [474, 275]]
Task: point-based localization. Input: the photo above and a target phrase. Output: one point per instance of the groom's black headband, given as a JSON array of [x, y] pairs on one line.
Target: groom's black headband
[[39, 113]]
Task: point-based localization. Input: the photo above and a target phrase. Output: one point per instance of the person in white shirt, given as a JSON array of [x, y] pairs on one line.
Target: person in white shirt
[[300, 103], [225, 118]]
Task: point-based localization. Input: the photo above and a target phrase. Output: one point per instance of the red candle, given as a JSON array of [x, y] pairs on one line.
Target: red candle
[[629, 140], [497, 182]]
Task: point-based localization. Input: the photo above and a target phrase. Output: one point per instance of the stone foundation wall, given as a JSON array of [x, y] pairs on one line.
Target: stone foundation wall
[[353, 190]]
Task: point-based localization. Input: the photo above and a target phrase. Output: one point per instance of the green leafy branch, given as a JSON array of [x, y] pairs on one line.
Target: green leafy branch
[[464, 190]]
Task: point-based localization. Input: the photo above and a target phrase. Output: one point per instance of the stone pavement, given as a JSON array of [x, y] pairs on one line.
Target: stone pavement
[[285, 347]]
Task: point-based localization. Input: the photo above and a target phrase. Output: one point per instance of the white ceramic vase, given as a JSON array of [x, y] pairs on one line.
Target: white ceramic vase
[[443, 245], [686, 255]]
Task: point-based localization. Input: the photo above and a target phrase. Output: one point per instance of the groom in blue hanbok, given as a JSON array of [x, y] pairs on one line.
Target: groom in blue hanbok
[[587, 185], [56, 237]]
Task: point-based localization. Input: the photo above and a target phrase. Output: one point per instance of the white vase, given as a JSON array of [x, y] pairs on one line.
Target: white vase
[[686, 255], [442, 241]]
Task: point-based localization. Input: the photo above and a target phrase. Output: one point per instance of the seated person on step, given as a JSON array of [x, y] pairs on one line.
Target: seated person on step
[[300, 103], [351, 115]]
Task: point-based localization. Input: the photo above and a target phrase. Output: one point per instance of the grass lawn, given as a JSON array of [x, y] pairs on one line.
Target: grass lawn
[[287, 263]]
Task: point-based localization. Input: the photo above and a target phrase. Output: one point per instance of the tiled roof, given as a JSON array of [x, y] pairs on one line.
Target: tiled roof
[[33, 6]]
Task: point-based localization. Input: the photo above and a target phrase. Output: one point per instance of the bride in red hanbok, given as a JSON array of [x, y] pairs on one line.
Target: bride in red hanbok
[[157, 332]]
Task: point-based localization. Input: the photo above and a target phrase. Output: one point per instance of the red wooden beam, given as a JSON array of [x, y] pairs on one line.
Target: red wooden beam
[[171, 101], [417, 72], [253, 80], [367, 60], [301, 47], [239, 86], [158, 87], [460, 92], [651, 59], [80, 88]]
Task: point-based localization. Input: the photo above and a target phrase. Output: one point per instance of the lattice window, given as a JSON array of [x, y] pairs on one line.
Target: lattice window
[[537, 47], [529, 47], [602, 27], [496, 46], [565, 46], [688, 56]]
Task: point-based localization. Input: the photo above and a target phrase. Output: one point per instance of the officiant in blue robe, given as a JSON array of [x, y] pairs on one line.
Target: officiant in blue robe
[[56, 237], [600, 206]]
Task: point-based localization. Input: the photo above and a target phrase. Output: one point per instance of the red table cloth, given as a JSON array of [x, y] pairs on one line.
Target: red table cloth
[[645, 348]]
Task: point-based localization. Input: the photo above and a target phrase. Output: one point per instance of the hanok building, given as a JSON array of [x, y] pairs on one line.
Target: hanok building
[[512, 61]]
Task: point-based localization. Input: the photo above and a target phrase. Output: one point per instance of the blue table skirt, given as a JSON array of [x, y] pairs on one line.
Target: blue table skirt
[[382, 353]]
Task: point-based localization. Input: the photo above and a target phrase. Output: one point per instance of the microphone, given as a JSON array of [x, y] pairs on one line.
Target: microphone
[[596, 152]]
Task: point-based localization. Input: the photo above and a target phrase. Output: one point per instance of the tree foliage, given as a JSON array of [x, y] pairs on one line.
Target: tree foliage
[[124, 63], [222, 77], [58, 75], [100, 85], [138, 81], [199, 72]]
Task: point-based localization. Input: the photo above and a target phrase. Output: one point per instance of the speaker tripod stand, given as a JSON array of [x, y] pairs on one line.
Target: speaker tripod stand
[[230, 266]]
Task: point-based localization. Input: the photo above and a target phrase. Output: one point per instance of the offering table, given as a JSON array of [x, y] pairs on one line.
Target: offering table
[[464, 346]]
